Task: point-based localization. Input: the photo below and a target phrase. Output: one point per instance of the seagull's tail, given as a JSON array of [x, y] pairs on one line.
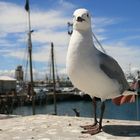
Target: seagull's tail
[[129, 92], [126, 97]]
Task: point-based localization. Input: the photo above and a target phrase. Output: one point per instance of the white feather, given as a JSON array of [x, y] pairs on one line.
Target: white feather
[[83, 61]]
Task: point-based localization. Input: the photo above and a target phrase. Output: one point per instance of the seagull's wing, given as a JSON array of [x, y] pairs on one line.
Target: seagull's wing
[[111, 68]]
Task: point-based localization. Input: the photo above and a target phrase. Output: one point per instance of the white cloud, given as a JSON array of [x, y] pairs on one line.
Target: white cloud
[[7, 72], [99, 25], [48, 20], [51, 26], [12, 18], [130, 38], [66, 5], [60, 38], [124, 54], [105, 21]]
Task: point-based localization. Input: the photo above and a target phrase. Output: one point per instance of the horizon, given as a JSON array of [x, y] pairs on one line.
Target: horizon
[[115, 24]]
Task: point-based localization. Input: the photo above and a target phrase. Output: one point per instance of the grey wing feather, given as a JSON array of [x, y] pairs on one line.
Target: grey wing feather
[[113, 70]]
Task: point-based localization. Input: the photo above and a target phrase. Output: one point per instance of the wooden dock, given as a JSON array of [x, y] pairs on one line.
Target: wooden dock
[[8, 102]]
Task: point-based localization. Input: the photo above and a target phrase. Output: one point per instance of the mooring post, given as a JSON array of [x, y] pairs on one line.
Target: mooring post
[[54, 83]]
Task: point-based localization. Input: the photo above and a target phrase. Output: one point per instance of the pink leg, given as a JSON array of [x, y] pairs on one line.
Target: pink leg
[[96, 128]]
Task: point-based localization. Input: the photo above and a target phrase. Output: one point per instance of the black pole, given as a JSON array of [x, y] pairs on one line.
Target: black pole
[[30, 61], [53, 72]]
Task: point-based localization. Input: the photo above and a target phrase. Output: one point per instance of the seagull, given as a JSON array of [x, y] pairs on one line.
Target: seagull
[[93, 71]]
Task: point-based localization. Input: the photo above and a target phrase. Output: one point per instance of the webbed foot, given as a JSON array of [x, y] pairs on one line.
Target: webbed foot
[[87, 127], [92, 130]]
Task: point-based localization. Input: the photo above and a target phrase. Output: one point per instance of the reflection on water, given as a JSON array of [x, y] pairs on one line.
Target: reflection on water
[[127, 111]]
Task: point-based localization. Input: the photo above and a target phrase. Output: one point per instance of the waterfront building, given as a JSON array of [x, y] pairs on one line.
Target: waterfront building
[[7, 84]]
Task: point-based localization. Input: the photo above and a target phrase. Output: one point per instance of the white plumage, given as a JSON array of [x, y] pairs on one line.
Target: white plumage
[[89, 69]]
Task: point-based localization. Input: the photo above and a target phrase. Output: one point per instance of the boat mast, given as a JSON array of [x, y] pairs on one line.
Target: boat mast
[[27, 8], [53, 74]]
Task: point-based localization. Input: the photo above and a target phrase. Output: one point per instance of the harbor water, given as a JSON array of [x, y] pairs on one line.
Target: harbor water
[[128, 111]]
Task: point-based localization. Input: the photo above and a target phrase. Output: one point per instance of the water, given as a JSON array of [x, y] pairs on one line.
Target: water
[[124, 112]]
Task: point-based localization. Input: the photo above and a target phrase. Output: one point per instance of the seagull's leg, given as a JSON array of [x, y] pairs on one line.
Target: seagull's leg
[[102, 113], [99, 127], [87, 127], [95, 115]]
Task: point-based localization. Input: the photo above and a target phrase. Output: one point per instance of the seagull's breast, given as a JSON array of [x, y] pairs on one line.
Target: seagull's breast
[[84, 70]]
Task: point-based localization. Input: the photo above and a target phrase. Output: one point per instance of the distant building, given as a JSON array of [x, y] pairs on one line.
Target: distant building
[[7, 84], [19, 73]]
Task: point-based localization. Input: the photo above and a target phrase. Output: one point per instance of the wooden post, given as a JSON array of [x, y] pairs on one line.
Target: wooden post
[[54, 83]]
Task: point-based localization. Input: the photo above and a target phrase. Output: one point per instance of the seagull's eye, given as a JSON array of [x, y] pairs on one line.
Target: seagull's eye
[[87, 15]]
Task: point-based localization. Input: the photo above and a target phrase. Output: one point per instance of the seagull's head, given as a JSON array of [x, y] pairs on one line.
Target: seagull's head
[[81, 19]]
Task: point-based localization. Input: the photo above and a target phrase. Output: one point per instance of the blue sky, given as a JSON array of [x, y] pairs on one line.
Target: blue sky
[[116, 24]]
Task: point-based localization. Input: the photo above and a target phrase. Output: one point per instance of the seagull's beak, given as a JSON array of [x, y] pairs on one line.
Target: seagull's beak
[[80, 19]]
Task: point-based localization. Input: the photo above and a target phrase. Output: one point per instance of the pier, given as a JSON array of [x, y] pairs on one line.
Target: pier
[[9, 102], [49, 127]]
